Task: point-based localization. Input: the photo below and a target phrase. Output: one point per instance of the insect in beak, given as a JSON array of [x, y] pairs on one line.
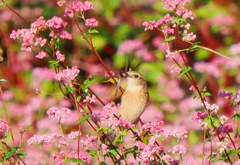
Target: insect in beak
[[123, 74]]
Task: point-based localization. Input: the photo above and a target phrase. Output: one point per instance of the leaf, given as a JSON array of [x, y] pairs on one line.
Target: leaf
[[208, 139], [84, 118], [179, 20], [206, 94], [104, 129], [88, 82], [70, 89], [184, 70], [22, 155], [236, 116], [237, 151], [74, 160], [79, 98], [92, 31], [193, 47], [169, 39], [53, 62], [103, 163], [93, 152], [10, 153]]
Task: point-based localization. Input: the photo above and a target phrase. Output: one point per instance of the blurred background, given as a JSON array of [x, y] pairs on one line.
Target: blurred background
[[122, 43]]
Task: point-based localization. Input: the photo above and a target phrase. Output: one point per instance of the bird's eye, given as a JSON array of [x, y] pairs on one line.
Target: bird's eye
[[136, 76]]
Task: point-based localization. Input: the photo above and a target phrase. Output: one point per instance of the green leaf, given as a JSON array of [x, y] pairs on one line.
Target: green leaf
[[236, 116], [208, 139], [93, 152], [2, 80], [103, 163], [135, 128], [79, 98], [184, 70], [104, 129], [74, 160], [193, 47], [237, 151], [70, 89], [169, 39], [179, 20], [22, 155], [92, 31], [206, 94], [84, 118], [10, 153], [53, 62], [87, 83]]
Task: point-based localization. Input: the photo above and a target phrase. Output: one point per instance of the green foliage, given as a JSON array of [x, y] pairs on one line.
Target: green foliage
[[184, 70], [84, 118]]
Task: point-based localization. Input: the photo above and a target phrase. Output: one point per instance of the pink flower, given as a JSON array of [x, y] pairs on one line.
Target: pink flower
[[56, 23], [65, 35], [42, 54], [73, 135], [173, 4], [90, 99], [3, 128], [84, 156], [68, 12], [67, 75], [42, 74], [178, 149], [46, 138], [150, 25], [58, 113], [222, 146], [60, 56], [227, 128], [199, 116], [184, 13], [91, 22], [129, 46], [103, 149], [167, 30], [38, 25], [90, 141], [79, 6], [61, 3]]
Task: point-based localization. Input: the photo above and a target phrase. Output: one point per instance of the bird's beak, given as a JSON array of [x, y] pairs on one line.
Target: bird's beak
[[123, 74]]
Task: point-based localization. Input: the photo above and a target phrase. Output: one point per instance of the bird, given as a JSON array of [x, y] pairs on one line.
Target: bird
[[135, 97], [133, 101]]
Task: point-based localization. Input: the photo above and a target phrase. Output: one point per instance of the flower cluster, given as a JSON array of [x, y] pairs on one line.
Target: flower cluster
[[30, 36], [47, 138], [3, 128], [90, 99], [66, 154], [137, 47], [67, 76], [58, 113], [234, 99]]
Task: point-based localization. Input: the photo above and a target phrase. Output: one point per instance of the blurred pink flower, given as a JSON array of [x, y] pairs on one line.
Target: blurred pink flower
[[58, 113], [67, 75], [42, 54], [4, 128], [43, 74], [235, 49], [60, 56], [178, 149]]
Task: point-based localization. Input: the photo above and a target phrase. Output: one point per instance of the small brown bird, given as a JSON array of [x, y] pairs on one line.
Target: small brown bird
[[135, 97], [133, 101]]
